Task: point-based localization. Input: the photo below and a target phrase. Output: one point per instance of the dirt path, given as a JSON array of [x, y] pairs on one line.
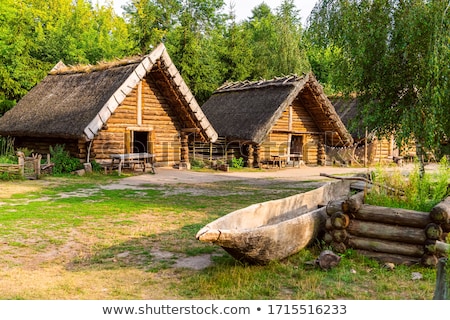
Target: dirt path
[[172, 176]]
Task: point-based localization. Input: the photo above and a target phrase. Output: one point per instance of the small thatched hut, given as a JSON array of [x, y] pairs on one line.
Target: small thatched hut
[[289, 116], [136, 105], [368, 148]]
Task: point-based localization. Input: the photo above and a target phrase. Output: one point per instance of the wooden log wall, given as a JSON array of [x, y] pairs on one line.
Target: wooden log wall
[[392, 235], [156, 115]]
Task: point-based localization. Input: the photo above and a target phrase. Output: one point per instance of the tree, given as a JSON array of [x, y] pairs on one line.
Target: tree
[[19, 70], [277, 43], [394, 54], [150, 21], [193, 46]]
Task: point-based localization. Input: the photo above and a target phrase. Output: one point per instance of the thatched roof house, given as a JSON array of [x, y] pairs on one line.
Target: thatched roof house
[[283, 116], [133, 105], [368, 148]]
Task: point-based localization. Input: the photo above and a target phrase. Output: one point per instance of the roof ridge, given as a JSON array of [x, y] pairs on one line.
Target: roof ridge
[[261, 83], [61, 68]]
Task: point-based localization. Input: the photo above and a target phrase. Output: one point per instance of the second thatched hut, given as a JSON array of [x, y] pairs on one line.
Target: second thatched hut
[[288, 118]]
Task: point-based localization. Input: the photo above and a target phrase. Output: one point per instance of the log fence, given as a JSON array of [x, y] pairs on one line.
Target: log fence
[[26, 167], [394, 235]]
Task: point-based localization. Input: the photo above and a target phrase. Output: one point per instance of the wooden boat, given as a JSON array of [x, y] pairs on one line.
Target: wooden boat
[[276, 229]]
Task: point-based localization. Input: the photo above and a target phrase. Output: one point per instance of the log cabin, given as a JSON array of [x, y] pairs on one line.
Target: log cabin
[[368, 148], [135, 105], [287, 117]]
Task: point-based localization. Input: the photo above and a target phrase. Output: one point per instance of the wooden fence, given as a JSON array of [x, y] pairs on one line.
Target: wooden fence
[[27, 167], [389, 234]]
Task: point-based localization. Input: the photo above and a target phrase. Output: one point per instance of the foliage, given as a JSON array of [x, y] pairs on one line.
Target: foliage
[[36, 34], [394, 55], [417, 193], [7, 147], [237, 162], [64, 163]]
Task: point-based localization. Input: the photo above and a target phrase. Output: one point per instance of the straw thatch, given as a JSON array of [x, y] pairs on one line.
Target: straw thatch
[[347, 109], [75, 103], [248, 110]]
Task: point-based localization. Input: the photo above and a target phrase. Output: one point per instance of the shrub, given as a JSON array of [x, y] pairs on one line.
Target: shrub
[[237, 162], [64, 163]]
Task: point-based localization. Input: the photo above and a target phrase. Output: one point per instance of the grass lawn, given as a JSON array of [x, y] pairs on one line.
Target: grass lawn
[[82, 238]]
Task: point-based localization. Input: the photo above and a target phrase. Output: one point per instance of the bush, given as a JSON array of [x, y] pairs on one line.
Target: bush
[[237, 163], [64, 163]]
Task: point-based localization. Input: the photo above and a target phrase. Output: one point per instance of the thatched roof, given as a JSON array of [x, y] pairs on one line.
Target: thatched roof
[[76, 102], [347, 109], [248, 110]]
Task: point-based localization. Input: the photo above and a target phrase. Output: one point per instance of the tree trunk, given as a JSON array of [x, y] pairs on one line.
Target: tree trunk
[[394, 216], [388, 257], [392, 247], [353, 203], [340, 220], [433, 231], [440, 213], [386, 232]]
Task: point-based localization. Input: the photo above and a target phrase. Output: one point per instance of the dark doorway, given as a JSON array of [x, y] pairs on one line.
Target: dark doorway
[[140, 141], [297, 145]]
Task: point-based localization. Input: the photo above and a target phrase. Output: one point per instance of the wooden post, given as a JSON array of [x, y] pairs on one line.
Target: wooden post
[[250, 156], [442, 284], [21, 165], [257, 155], [184, 156], [365, 150]]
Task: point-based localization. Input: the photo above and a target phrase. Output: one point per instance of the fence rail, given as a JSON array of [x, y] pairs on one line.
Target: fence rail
[[27, 167]]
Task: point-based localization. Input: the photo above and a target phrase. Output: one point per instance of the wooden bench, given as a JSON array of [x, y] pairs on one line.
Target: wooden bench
[[131, 160]]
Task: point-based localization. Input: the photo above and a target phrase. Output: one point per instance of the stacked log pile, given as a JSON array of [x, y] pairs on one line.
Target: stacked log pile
[[393, 235]]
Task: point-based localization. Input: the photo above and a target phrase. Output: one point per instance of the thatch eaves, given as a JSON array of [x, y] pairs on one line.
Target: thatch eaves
[[248, 110], [75, 102]]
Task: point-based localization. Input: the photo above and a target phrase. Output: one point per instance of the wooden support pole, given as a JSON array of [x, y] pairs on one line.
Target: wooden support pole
[[442, 284]]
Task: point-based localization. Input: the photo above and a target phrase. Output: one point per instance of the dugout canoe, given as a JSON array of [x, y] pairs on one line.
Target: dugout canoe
[[276, 229]]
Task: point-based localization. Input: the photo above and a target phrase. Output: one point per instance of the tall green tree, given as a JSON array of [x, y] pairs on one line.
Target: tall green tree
[[19, 69], [36, 34], [151, 20], [193, 46], [394, 54], [276, 40], [235, 50]]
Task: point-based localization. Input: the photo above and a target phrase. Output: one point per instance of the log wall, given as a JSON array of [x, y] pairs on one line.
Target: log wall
[[155, 114], [388, 234], [295, 120]]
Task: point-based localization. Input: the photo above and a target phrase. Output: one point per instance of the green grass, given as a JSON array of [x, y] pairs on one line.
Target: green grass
[[75, 239], [413, 191]]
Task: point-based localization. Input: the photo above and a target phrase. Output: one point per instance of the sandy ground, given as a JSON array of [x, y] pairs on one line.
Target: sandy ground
[[173, 176]]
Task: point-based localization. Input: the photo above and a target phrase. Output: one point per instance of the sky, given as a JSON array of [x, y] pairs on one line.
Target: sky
[[243, 8]]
